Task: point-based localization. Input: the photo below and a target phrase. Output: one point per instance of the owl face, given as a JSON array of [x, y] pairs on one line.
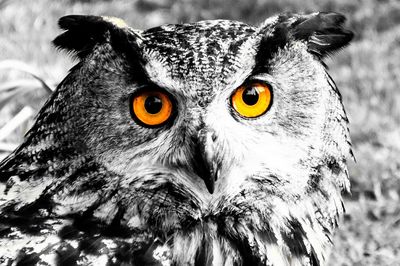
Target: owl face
[[222, 138]]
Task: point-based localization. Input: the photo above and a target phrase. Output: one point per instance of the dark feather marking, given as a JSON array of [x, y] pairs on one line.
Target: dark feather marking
[[270, 44], [123, 252], [144, 255], [26, 224], [67, 255], [334, 166], [248, 257], [68, 232], [239, 242], [295, 238], [315, 178], [92, 245], [5, 230], [314, 260], [314, 183], [116, 229], [25, 258], [204, 254]]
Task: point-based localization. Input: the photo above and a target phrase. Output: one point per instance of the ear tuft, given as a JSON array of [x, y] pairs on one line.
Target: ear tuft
[[82, 33], [323, 32]]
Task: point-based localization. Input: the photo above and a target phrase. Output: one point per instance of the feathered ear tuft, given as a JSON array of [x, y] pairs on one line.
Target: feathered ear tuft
[[323, 32], [82, 33]]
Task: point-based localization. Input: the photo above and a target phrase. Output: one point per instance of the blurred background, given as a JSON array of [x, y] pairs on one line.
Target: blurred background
[[367, 74]]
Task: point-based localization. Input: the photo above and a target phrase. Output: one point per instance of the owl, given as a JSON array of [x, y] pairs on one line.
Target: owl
[[209, 143]]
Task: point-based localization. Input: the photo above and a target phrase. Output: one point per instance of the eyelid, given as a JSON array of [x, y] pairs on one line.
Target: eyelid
[[264, 77]]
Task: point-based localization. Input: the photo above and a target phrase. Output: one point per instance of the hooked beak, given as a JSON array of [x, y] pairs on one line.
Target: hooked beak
[[204, 164]]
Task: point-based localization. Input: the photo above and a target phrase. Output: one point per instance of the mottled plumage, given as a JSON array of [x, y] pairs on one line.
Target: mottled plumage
[[91, 186]]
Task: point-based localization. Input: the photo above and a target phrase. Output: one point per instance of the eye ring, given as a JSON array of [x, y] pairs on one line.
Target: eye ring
[[151, 108], [252, 99]]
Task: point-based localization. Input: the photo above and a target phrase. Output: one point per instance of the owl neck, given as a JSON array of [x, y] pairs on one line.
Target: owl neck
[[213, 244]]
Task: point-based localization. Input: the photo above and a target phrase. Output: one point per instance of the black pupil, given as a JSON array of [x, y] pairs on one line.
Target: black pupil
[[153, 104], [250, 96]]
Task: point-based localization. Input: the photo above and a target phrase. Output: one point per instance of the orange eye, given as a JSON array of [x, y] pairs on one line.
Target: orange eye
[[252, 99], [151, 108]]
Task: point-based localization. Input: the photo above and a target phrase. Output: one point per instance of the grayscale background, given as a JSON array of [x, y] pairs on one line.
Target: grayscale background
[[367, 74]]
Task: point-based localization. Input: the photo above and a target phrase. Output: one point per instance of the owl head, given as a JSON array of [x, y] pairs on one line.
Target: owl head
[[228, 142]]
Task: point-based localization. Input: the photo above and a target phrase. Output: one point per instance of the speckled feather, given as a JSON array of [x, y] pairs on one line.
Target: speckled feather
[[89, 186]]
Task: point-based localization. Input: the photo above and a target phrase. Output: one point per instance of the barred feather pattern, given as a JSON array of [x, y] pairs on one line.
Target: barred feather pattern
[[89, 186]]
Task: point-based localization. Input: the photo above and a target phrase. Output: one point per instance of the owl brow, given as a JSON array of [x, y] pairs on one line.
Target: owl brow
[[271, 41]]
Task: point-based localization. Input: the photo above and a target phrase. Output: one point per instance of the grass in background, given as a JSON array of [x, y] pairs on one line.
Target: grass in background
[[367, 73]]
